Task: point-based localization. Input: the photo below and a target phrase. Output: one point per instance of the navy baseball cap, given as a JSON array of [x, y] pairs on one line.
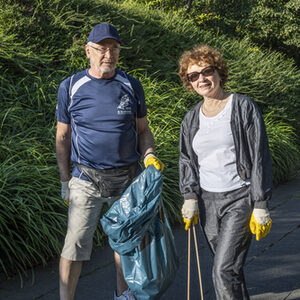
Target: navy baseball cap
[[103, 31]]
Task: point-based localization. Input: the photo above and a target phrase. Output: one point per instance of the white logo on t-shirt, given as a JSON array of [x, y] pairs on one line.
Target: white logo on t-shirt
[[124, 106]]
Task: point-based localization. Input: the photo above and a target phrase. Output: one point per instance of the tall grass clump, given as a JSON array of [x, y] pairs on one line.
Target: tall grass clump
[[32, 217], [284, 150], [42, 42]]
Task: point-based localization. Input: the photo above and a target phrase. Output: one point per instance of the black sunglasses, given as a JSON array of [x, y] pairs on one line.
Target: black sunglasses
[[205, 72]]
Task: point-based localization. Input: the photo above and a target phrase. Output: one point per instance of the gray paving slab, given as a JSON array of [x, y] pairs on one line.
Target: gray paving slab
[[272, 269]]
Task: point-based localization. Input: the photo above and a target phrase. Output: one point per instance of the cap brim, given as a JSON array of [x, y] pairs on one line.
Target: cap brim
[[104, 38]]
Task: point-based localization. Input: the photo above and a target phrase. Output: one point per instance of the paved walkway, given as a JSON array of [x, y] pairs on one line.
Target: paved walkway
[[272, 269]]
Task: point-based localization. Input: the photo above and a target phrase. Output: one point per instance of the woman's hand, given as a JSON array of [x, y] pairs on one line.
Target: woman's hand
[[260, 222], [190, 212]]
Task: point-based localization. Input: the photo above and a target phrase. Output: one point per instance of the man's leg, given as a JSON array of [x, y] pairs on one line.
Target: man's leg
[[121, 283], [83, 218], [69, 272]]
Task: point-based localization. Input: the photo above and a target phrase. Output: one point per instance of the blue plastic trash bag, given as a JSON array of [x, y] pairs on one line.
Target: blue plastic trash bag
[[138, 229]]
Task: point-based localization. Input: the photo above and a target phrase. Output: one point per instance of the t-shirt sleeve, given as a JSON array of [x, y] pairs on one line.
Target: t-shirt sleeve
[[63, 100], [140, 97]]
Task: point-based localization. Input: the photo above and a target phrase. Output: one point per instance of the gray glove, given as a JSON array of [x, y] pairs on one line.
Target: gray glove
[[190, 212], [261, 215]]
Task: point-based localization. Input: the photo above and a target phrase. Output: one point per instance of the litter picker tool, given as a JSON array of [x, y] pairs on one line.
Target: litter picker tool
[[189, 262]]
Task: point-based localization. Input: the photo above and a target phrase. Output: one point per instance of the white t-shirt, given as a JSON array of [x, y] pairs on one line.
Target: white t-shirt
[[214, 146]]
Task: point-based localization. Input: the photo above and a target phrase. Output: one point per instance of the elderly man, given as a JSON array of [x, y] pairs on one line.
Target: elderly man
[[103, 129]]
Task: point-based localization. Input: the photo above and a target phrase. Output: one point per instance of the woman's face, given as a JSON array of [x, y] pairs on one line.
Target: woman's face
[[205, 80]]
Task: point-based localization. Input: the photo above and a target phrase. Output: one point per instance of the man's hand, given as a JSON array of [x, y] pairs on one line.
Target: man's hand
[[190, 212], [65, 191], [260, 222], [151, 159]]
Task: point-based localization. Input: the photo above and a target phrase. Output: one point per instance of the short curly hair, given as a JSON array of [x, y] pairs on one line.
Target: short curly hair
[[198, 55]]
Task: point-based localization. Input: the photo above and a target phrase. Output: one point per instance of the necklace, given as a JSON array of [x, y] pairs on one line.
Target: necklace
[[212, 109], [218, 108]]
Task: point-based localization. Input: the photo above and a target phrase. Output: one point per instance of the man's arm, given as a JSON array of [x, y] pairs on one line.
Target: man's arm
[[63, 150], [146, 144], [145, 136]]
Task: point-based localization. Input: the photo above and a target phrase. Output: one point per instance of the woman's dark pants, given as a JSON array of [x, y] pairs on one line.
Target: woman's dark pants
[[225, 221]]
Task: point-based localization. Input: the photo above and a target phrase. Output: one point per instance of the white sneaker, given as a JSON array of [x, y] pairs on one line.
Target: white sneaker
[[126, 295]]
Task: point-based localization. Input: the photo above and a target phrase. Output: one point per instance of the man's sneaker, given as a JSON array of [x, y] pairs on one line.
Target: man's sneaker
[[126, 295]]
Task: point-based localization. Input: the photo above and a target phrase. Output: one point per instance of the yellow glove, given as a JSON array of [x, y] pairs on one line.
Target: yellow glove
[[151, 159], [260, 222], [190, 212], [65, 192]]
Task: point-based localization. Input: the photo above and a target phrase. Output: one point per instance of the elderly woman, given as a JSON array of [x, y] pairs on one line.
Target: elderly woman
[[225, 168]]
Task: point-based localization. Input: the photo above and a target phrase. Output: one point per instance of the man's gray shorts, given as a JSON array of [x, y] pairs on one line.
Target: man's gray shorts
[[84, 215]]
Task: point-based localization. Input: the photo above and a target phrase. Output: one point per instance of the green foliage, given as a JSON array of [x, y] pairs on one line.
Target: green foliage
[[285, 153], [269, 23], [206, 18], [32, 217], [163, 4], [225, 16], [264, 75], [42, 43], [276, 24]]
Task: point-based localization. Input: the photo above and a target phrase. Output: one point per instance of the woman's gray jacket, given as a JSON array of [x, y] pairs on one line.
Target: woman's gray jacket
[[253, 158]]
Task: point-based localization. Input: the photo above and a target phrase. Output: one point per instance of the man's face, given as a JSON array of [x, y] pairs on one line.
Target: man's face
[[103, 57]]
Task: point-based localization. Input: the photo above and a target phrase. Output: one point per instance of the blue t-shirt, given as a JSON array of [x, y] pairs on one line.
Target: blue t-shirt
[[102, 114]]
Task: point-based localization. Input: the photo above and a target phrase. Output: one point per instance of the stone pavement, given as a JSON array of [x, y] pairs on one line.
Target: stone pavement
[[272, 268]]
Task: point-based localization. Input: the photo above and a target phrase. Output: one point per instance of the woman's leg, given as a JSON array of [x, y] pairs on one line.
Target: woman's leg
[[226, 226]]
